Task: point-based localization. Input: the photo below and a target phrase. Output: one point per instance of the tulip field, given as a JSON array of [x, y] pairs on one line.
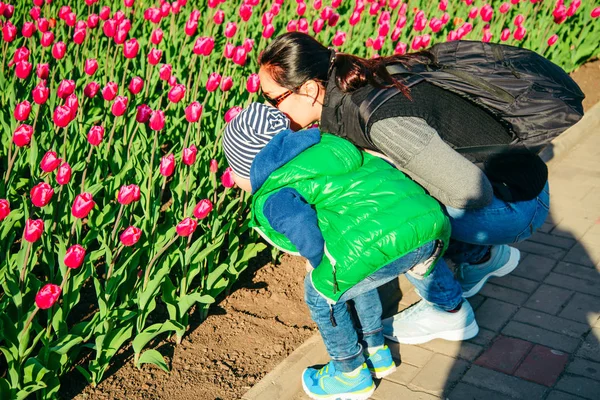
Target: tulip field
[[117, 214]]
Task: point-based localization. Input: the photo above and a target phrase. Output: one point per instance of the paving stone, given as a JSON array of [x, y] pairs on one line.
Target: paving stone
[[541, 249], [388, 390], [465, 350], [548, 299], [552, 240], [462, 391], [573, 227], [476, 301], [542, 365], [516, 282], [484, 337], [557, 395], [534, 267], [547, 226], [404, 373], [585, 253], [505, 354], [580, 386], [505, 294], [505, 384], [582, 308], [439, 374], [568, 282], [493, 314], [541, 336], [586, 368], [551, 322], [590, 348], [412, 355], [577, 271]]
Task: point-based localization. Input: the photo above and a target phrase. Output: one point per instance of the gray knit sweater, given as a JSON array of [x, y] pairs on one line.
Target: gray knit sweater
[[417, 149]]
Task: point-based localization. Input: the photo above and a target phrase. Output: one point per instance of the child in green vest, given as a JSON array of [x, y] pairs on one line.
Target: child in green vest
[[359, 222]]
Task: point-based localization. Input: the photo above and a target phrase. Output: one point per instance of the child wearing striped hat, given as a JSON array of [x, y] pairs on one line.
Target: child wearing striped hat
[[358, 221]]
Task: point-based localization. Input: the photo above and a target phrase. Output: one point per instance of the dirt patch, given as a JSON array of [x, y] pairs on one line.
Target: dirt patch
[[245, 336]]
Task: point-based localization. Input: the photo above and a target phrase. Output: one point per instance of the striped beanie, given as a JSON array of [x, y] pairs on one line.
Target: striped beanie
[[248, 133]]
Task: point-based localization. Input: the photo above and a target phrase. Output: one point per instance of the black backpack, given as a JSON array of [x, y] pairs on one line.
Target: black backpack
[[532, 97]]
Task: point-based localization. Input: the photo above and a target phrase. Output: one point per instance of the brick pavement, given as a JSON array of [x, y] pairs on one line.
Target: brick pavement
[[540, 326]]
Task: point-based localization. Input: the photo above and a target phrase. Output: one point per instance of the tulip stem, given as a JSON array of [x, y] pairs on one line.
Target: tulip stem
[[162, 190], [199, 78], [11, 163], [112, 264], [124, 74], [147, 82], [64, 281], [29, 321], [87, 163], [192, 63], [160, 253], [66, 130], [187, 135], [110, 138], [187, 189], [150, 172], [131, 140], [183, 288], [24, 268], [112, 236]]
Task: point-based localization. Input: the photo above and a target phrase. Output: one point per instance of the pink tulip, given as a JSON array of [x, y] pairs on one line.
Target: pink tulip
[[232, 113], [154, 56], [22, 135], [487, 36], [9, 32], [47, 296], [230, 29], [167, 165], [28, 29], [354, 18], [253, 83], [245, 12], [292, 26], [104, 13], [227, 178], [79, 36], [23, 69], [62, 116], [165, 72], [443, 5], [213, 82], [73, 103], [416, 43], [519, 19], [189, 155], [119, 106], [191, 27], [63, 174], [136, 85], [595, 13], [219, 17], [83, 204], [300, 9], [22, 110], [109, 92], [400, 48], [74, 256], [213, 166], [58, 50], [186, 227], [41, 194], [42, 71], [50, 161], [91, 66], [4, 209], [131, 48], [157, 120], [339, 38], [226, 83], [92, 21], [239, 56], [130, 236], [248, 45], [33, 230], [318, 25], [519, 33], [128, 194], [505, 35], [473, 12], [203, 208], [193, 112], [487, 13], [504, 8], [95, 135], [91, 89], [268, 31], [156, 36], [143, 113]]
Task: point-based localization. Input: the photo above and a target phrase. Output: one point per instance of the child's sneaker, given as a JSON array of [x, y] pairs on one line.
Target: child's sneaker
[[328, 384], [380, 363], [503, 260]]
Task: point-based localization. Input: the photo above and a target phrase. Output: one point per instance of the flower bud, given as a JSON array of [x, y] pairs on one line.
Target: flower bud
[[186, 227], [47, 296], [203, 208], [128, 194], [41, 194], [119, 106], [157, 120], [4, 209], [130, 236], [63, 174], [74, 256], [227, 178], [193, 112], [83, 204], [22, 110], [167, 165], [253, 83], [33, 230], [91, 66], [136, 85], [22, 135], [143, 113]]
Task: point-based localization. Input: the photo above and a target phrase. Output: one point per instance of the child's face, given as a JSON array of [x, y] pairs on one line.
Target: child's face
[[242, 183]]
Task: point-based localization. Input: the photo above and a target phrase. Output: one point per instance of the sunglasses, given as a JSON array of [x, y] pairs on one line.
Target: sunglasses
[[275, 102]]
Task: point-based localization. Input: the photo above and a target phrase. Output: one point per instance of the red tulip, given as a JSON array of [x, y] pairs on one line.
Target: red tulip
[[47, 296], [58, 50], [213, 166], [22, 110], [42, 71], [177, 93], [105, 13], [332, 21], [79, 36], [23, 69], [167, 165], [487, 13], [50, 161], [62, 116], [109, 27], [300, 9], [292, 26], [552, 40], [267, 18], [193, 112], [219, 17], [253, 83], [22, 135], [91, 89], [339, 38], [136, 85], [232, 113], [157, 36], [230, 29], [186, 227], [41, 194], [9, 32], [65, 88], [28, 29], [595, 12], [318, 25], [82, 205], [157, 120], [519, 19], [214, 79], [203, 208], [128, 194], [239, 56], [204, 46], [130, 236], [143, 113], [74, 256], [119, 106], [227, 178], [228, 51], [154, 56], [63, 175], [91, 66], [33, 230], [226, 83], [487, 36], [95, 135], [189, 155], [400, 48], [268, 31], [245, 12], [92, 21], [109, 92], [165, 72], [4, 209], [519, 33], [131, 48], [73, 104]]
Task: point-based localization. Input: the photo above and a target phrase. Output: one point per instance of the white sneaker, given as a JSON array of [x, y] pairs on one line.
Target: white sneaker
[[503, 260], [424, 322]]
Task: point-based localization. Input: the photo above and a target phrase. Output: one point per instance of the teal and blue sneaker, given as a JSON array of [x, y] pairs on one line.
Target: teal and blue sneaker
[[328, 384], [503, 260], [381, 363]]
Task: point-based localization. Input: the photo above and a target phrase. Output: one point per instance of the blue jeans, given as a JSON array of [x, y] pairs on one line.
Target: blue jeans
[[344, 341], [473, 231]]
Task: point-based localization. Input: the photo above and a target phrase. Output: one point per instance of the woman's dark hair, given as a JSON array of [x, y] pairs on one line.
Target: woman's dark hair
[[294, 58]]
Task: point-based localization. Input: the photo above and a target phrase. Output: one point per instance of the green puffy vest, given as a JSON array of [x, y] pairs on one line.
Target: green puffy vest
[[369, 213]]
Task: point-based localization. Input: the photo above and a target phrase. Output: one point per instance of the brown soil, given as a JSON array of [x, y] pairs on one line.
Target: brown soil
[[246, 335]]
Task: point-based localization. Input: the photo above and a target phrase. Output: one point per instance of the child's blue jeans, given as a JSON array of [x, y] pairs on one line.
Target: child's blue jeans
[[345, 342]]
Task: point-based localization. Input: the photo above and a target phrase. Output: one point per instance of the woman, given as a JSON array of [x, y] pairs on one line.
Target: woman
[[309, 82]]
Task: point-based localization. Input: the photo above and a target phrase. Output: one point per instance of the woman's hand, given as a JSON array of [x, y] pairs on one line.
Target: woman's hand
[[309, 266]]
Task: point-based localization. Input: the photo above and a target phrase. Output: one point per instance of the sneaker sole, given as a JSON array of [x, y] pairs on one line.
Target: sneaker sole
[[454, 336], [347, 396], [383, 374], [511, 264]]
